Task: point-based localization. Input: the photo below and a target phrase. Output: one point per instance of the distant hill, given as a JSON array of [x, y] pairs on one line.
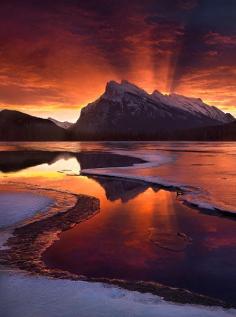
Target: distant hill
[[18, 126], [127, 112]]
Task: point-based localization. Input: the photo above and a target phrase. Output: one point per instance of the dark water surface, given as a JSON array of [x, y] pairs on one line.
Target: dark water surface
[[146, 234]]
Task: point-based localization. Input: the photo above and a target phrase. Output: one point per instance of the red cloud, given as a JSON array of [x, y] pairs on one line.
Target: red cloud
[[214, 38]]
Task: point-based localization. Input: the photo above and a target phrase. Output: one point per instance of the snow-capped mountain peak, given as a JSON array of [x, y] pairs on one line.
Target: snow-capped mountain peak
[[115, 91], [133, 99]]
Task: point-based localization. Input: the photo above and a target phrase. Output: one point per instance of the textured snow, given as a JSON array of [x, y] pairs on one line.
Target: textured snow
[[18, 206], [27, 296]]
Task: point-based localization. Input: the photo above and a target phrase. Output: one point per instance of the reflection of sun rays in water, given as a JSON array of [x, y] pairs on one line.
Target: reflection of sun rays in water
[[154, 206]]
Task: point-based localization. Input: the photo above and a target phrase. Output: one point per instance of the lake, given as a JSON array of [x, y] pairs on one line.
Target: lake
[[166, 215]]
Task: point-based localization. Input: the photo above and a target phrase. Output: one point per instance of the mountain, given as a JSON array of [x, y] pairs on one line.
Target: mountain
[[61, 124], [18, 126], [224, 132], [126, 112]]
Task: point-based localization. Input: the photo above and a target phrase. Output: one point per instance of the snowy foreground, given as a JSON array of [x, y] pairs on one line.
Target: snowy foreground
[[27, 296]]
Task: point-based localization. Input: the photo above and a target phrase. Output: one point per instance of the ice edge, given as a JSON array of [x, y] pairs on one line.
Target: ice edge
[[189, 194]]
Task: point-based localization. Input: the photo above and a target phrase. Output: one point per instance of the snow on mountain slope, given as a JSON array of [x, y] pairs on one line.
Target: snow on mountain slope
[[192, 105]]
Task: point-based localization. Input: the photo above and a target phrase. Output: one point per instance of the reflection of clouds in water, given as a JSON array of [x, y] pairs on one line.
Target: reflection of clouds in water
[[65, 165]]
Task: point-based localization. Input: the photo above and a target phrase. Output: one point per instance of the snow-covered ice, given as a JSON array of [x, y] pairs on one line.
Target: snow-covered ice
[[27, 296], [18, 206]]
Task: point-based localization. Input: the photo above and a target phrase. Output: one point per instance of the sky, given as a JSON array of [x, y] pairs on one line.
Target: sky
[[57, 56]]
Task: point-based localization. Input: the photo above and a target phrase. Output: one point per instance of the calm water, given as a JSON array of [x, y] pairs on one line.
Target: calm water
[[141, 232]]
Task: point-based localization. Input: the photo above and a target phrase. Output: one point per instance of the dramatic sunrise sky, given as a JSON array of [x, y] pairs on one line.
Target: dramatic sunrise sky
[[56, 56]]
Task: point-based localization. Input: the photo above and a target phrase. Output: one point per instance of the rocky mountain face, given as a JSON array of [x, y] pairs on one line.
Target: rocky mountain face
[[18, 126], [126, 112]]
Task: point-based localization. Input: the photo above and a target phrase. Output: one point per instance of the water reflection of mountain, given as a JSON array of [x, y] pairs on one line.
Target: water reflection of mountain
[[13, 161], [120, 189]]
